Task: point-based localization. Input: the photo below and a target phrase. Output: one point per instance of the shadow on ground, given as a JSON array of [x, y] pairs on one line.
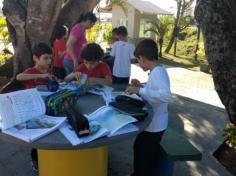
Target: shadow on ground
[[201, 123]]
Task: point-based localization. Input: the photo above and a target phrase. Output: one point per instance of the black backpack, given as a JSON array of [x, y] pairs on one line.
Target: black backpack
[[131, 106]]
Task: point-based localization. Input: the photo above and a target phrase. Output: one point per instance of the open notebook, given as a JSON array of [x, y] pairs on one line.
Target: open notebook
[[109, 122], [22, 115]]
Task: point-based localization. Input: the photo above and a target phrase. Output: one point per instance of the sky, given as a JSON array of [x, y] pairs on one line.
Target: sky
[[169, 5]]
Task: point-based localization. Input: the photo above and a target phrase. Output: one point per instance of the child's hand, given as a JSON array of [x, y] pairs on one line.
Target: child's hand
[[132, 90], [77, 76], [45, 75], [135, 83], [91, 81]]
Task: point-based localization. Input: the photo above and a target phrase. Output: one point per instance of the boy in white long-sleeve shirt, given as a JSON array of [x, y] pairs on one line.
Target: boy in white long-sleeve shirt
[[157, 93]]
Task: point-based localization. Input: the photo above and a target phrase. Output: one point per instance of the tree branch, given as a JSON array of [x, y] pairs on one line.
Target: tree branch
[[188, 4], [73, 9], [14, 12]]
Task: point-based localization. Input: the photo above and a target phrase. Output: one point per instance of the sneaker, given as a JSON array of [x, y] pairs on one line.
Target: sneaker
[[35, 166]]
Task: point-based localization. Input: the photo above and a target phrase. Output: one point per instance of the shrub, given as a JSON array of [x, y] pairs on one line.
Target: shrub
[[187, 46], [4, 39], [100, 32], [107, 32], [230, 134], [93, 33], [4, 57], [4, 35]]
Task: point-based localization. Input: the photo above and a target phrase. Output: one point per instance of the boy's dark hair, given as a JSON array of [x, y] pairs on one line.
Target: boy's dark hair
[[115, 30], [87, 16], [92, 52], [41, 48], [60, 31], [122, 31], [148, 49]]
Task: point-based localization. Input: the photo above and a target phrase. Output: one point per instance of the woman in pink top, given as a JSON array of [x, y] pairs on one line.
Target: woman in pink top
[[77, 39]]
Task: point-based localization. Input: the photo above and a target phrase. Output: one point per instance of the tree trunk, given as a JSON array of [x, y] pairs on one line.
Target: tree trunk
[[183, 8], [218, 24], [197, 45], [35, 20], [41, 19], [176, 27], [31, 23], [175, 47], [161, 44]]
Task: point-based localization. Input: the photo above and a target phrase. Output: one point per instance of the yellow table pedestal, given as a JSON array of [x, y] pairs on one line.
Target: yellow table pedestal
[[82, 162]]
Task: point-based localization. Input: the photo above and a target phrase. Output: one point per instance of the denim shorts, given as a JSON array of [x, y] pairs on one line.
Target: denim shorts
[[68, 65]]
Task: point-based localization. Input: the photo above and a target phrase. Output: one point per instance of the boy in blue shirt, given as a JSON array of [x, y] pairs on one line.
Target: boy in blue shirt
[[157, 93]]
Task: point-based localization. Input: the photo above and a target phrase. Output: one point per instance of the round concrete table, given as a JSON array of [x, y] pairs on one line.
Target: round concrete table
[[58, 157]]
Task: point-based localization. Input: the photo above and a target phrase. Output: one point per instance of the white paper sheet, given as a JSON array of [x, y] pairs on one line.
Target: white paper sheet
[[20, 106]]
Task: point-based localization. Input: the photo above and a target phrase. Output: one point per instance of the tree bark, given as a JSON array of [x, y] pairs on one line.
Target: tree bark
[[41, 19], [16, 15], [218, 24], [12, 33]]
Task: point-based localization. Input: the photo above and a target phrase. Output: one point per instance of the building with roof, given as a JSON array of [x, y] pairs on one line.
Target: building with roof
[[135, 16]]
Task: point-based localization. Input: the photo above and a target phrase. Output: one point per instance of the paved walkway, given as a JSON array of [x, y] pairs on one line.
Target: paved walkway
[[195, 85], [195, 112]]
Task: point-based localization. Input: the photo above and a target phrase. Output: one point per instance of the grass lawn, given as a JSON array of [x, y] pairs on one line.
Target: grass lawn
[[181, 61]]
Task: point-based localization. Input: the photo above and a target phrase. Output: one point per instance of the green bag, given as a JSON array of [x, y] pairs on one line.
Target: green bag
[[54, 102]]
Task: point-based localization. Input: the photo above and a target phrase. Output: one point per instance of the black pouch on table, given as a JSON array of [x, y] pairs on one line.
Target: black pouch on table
[[133, 101], [131, 106], [76, 119]]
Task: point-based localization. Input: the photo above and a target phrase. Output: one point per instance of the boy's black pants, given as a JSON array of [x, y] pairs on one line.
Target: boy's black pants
[[120, 80], [146, 153], [34, 155]]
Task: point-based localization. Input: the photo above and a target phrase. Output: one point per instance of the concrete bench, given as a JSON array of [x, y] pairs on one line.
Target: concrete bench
[[175, 147]]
